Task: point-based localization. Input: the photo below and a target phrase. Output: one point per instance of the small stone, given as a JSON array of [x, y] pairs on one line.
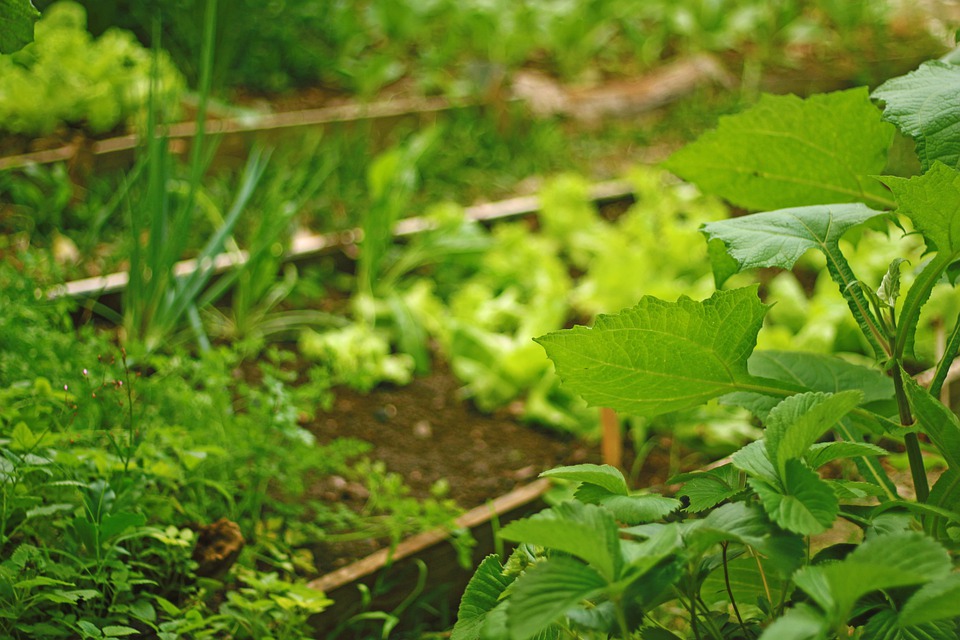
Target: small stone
[[422, 430]]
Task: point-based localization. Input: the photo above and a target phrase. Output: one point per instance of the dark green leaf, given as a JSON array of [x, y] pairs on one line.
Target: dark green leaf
[[546, 591], [479, 599], [17, 18], [922, 105], [785, 151], [806, 505], [884, 625], [586, 531], [934, 601], [936, 420]]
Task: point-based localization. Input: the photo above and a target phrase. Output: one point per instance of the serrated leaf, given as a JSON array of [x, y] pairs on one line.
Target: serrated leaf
[[852, 490], [884, 625], [780, 238], [939, 423], [546, 591], [823, 452], [586, 531], [604, 476], [746, 582], [934, 601], [735, 522], [754, 461], [118, 631], [884, 562], [660, 356], [480, 597], [800, 420], [932, 202], [17, 18], [630, 510], [785, 151], [802, 622], [806, 504], [922, 104], [705, 490]]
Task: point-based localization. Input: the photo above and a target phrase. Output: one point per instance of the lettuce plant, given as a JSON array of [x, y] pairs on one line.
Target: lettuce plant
[[735, 558]]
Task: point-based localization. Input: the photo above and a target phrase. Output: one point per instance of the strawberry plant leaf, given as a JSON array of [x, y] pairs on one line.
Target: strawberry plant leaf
[[586, 531], [934, 601], [630, 510], [885, 625], [805, 505], [546, 591], [785, 152], [604, 476], [17, 18], [823, 452], [932, 202], [754, 461], [481, 596], [883, 562], [661, 356], [706, 489], [802, 622], [921, 104], [800, 420]]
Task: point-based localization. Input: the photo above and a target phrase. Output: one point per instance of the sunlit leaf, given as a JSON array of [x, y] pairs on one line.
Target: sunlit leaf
[[546, 591], [604, 476], [805, 505], [786, 152]]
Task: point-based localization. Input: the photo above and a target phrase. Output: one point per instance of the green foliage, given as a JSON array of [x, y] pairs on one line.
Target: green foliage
[[738, 565], [17, 18], [67, 77]]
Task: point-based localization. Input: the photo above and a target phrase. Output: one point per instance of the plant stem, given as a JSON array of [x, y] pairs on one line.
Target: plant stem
[[726, 580], [943, 367], [622, 619], [910, 440]]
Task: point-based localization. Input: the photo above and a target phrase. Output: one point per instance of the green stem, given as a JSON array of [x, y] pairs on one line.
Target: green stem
[[622, 619], [850, 288], [910, 440], [726, 580], [943, 367]]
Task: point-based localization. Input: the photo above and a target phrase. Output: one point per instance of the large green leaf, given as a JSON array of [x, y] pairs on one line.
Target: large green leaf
[[932, 202], [481, 596], [934, 601], [753, 460], [923, 105], [802, 622], [805, 504], [546, 591], [586, 531], [884, 562], [17, 18], [661, 356], [885, 625], [604, 476], [779, 238], [746, 582], [787, 152], [800, 420]]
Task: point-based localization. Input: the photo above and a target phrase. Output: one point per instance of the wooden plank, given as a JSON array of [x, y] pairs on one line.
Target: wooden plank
[[396, 570], [309, 246]]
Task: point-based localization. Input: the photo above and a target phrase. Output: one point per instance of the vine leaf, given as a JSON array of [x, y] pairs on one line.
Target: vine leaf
[[17, 18], [922, 104], [661, 356], [785, 152]]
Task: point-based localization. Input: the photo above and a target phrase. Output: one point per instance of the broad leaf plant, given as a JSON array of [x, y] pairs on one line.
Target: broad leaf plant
[[731, 556]]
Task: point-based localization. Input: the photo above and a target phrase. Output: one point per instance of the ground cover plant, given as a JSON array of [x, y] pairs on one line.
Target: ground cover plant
[[738, 556]]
